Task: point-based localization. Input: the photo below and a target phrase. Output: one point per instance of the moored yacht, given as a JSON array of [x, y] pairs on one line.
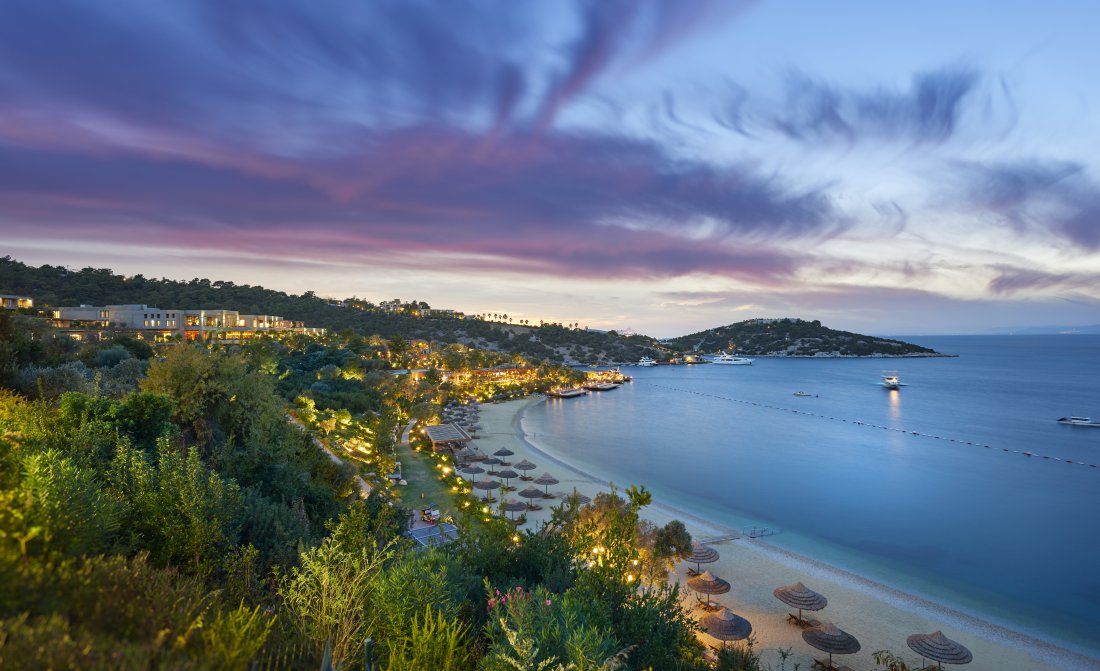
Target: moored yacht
[[646, 361], [730, 360], [1078, 421], [890, 379]]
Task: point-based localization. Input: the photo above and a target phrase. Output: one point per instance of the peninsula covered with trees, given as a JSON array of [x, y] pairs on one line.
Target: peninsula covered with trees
[[793, 337]]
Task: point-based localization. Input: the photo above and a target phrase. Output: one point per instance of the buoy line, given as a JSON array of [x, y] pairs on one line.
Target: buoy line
[[871, 425]]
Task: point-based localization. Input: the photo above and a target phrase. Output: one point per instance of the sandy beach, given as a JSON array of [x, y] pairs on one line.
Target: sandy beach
[[878, 616]]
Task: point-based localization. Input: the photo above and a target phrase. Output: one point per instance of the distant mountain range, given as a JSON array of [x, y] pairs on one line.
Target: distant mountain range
[[1093, 329]]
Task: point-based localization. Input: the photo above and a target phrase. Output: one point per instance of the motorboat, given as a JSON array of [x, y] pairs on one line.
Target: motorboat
[[890, 379], [1078, 421], [646, 361], [730, 360], [801, 393]]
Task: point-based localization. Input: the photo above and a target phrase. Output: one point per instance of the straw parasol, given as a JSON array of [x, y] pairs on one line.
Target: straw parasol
[[503, 453], [487, 485], [937, 647], [701, 554], [466, 453], [801, 597], [707, 583], [725, 625], [580, 498], [471, 469], [827, 638], [546, 480], [524, 465], [514, 506], [531, 493], [507, 474], [490, 462]]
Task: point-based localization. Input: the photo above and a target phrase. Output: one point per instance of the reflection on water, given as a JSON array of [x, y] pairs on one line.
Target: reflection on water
[[895, 407]]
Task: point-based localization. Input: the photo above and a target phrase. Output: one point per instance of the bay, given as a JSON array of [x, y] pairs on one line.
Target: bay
[[926, 489]]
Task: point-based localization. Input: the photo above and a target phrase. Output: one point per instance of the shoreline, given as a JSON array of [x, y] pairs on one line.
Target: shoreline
[[881, 616]]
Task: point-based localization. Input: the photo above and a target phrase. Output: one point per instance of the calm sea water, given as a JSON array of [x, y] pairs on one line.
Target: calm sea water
[[997, 533]]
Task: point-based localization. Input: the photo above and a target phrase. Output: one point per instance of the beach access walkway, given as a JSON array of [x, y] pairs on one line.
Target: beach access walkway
[[362, 485]]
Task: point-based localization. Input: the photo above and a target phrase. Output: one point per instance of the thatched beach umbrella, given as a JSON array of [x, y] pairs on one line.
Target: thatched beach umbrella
[[471, 469], [546, 480], [725, 625], [827, 638], [507, 474], [487, 485], [701, 554], [465, 453], [939, 648], [503, 453], [514, 506], [801, 597], [709, 584], [531, 493], [524, 465], [490, 462]]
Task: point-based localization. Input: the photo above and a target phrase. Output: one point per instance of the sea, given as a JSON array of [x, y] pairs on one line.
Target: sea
[[960, 487]]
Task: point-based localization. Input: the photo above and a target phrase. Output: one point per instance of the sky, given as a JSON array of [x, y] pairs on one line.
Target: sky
[[659, 165]]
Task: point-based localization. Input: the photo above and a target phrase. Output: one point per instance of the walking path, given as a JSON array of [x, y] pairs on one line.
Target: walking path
[[362, 485]]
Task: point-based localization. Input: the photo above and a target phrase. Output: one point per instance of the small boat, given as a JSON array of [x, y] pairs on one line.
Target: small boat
[[890, 379], [646, 361], [1078, 421], [801, 393], [730, 360], [566, 393]]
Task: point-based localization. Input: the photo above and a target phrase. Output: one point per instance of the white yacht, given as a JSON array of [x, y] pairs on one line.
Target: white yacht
[[890, 379], [646, 361], [724, 359], [1078, 421]]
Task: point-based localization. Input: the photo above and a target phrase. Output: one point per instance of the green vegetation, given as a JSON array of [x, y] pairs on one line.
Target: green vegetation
[[792, 337], [57, 286], [175, 517]]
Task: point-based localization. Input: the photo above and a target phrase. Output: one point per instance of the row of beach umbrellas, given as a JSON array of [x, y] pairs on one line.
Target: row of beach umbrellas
[[725, 625]]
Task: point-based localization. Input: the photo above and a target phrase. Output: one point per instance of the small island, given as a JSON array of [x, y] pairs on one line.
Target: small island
[[790, 337]]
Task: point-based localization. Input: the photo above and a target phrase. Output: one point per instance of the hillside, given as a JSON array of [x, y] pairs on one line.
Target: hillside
[[55, 286], [792, 337]]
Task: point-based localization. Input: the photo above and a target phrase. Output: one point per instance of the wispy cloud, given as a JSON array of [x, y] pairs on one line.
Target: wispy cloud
[[1054, 198]]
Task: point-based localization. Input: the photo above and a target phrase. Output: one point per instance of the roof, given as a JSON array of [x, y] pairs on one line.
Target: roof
[[447, 433]]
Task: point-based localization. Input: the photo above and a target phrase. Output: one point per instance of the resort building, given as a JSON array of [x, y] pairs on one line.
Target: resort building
[[13, 302], [90, 322]]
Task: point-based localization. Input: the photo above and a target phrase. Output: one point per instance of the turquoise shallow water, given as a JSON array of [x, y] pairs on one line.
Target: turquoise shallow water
[[882, 483]]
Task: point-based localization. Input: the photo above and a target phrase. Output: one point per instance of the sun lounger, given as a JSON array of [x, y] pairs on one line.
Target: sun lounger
[[805, 622]]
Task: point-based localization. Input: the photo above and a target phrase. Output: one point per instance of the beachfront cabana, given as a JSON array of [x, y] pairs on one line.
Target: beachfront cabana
[[524, 465], [939, 648], [801, 597], [447, 436], [506, 475], [546, 480], [503, 453], [725, 625], [709, 584], [701, 554], [827, 638]]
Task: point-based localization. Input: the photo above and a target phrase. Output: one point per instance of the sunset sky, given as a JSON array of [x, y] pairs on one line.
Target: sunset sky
[[896, 168]]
